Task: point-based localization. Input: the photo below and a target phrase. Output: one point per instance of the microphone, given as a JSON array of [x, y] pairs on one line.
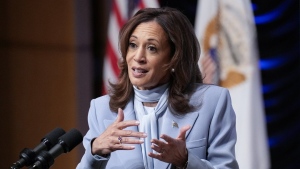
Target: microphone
[[65, 144], [27, 156]]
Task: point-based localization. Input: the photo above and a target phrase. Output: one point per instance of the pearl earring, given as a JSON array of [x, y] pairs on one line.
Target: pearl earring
[[173, 70]]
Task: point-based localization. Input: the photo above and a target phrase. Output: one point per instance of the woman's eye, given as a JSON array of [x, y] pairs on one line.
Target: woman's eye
[[132, 45], [152, 48]]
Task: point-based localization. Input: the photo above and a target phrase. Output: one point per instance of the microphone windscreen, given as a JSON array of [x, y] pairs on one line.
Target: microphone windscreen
[[53, 136], [71, 139]]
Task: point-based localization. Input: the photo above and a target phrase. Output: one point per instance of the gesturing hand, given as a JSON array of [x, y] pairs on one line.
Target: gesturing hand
[[115, 138], [173, 150]]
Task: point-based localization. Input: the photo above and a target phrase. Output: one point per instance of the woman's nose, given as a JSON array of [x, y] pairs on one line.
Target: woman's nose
[[140, 56]]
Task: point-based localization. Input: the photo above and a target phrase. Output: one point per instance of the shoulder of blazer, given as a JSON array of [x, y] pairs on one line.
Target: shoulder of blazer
[[101, 105], [213, 91], [207, 96]]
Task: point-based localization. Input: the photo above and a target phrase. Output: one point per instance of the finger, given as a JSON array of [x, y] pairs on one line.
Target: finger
[[158, 149], [117, 141], [127, 123], [128, 140], [159, 156], [122, 147], [182, 132], [124, 124], [130, 133], [159, 143], [120, 115], [167, 138]]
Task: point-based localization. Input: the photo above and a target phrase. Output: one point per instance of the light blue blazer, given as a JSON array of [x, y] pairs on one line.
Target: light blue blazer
[[210, 141]]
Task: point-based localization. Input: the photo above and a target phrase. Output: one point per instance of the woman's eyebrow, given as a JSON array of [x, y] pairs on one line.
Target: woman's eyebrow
[[134, 36], [150, 39]]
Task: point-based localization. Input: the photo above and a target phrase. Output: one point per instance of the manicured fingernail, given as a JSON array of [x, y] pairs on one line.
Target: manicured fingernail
[[137, 122], [144, 135], [141, 140]]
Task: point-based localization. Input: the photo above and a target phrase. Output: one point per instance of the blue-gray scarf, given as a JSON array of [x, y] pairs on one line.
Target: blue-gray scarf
[[149, 122]]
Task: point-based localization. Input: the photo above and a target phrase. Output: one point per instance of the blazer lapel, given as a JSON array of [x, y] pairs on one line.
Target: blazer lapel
[[170, 125]]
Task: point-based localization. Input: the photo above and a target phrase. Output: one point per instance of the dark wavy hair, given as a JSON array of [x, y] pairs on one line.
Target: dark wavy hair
[[185, 53]]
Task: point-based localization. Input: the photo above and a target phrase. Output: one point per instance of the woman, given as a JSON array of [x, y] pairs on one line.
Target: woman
[[160, 114]]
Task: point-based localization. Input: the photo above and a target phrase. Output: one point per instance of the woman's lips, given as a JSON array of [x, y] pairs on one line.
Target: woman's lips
[[139, 72]]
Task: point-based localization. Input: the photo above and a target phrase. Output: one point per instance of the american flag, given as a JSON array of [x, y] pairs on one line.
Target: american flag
[[210, 67], [121, 11]]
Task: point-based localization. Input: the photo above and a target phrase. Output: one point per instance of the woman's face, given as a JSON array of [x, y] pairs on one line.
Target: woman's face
[[148, 51]]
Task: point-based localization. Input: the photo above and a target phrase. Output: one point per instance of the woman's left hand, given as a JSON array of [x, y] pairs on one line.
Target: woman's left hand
[[172, 150]]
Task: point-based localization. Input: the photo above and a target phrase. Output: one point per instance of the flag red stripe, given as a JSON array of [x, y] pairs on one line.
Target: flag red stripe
[[118, 14], [141, 4]]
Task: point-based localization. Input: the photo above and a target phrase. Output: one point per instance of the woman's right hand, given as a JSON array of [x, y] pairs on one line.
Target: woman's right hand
[[115, 138]]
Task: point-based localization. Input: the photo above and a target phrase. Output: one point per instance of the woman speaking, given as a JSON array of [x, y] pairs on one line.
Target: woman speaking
[[159, 114]]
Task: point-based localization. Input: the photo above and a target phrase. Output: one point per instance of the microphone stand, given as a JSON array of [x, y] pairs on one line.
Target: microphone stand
[[27, 157], [44, 161]]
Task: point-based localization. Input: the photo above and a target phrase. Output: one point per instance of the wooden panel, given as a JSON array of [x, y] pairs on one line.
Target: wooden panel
[[42, 90], [40, 22], [38, 78]]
